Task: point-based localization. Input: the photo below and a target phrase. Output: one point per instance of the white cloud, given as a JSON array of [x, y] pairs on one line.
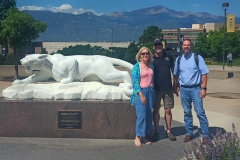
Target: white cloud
[[195, 5], [66, 8], [31, 8]]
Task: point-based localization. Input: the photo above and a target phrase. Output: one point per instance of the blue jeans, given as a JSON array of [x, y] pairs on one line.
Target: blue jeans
[[189, 96], [144, 112], [229, 63]]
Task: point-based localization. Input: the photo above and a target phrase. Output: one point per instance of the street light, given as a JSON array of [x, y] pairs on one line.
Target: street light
[[97, 35], [179, 48], [3, 50], [77, 34], [112, 39], [225, 7], [170, 35], [204, 29], [130, 35], [112, 35]]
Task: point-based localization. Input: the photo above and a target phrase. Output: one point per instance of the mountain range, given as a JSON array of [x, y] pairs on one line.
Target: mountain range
[[116, 26]]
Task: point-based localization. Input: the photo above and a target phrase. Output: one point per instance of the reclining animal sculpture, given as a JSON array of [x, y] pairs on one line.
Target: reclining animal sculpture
[[67, 69]]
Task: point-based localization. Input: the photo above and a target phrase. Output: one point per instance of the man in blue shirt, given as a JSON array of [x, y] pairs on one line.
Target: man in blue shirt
[[191, 79]]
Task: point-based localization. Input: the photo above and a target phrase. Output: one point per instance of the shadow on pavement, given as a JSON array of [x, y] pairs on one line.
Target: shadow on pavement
[[179, 131], [212, 132]]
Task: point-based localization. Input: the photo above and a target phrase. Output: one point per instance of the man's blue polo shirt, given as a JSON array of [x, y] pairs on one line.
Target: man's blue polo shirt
[[189, 73]]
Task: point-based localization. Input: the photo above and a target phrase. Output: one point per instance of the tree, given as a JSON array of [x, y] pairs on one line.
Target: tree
[[233, 44], [18, 29], [131, 52], [84, 50], [211, 44], [6, 59], [4, 6], [150, 34], [215, 44], [127, 54], [201, 47]]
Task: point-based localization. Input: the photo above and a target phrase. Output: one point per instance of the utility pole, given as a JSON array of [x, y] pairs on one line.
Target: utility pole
[[97, 35], [170, 35], [225, 7], [112, 41], [77, 35], [178, 48], [130, 35]]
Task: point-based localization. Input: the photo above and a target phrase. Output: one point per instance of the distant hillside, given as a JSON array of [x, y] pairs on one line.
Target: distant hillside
[[63, 26]]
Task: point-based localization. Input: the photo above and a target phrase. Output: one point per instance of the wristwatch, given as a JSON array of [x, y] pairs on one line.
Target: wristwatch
[[204, 88]]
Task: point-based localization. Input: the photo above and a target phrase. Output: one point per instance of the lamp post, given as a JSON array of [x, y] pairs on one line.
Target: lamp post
[[179, 48], [204, 30], [77, 35], [225, 6], [112, 40], [3, 50], [112, 35], [97, 35], [170, 35], [130, 35]]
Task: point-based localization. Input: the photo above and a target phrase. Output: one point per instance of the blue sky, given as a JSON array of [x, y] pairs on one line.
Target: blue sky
[[107, 6]]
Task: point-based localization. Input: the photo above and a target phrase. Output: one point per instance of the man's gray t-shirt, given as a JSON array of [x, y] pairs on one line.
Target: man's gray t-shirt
[[229, 56]]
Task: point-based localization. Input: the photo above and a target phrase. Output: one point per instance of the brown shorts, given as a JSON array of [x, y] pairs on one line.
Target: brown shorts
[[167, 96]]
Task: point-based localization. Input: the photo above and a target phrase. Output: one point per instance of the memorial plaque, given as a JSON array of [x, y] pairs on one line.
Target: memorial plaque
[[69, 119]]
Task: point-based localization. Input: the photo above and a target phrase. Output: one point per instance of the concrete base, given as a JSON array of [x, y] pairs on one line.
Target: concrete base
[[100, 119]]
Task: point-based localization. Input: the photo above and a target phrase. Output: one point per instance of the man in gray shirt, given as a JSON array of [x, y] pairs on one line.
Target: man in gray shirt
[[229, 57]]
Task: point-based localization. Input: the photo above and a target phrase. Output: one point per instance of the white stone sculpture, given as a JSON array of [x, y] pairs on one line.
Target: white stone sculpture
[[67, 69]]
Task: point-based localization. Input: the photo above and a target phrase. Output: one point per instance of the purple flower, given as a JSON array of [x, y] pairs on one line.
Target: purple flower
[[223, 145]]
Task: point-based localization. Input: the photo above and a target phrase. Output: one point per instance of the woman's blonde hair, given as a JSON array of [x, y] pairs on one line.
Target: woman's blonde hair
[[139, 54]]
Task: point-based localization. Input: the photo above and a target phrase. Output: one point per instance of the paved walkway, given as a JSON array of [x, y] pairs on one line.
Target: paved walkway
[[218, 67], [221, 114]]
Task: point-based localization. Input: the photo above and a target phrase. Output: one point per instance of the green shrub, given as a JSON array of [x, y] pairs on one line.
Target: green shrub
[[236, 62], [7, 59]]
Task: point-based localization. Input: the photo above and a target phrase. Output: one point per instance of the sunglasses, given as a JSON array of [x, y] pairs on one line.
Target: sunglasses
[[158, 44], [145, 53]]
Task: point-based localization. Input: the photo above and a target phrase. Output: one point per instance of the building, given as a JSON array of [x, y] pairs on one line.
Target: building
[[35, 47], [172, 36]]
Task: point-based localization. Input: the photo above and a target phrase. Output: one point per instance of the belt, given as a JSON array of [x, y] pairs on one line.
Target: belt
[[150, 87], [193, 86]]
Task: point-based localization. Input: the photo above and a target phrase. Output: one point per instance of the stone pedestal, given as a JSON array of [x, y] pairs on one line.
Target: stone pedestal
[[100, 119]]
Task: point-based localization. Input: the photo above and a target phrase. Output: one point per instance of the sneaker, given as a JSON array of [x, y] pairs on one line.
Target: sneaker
[[206, 140], [171, 136], [155, 136], [188, 138]]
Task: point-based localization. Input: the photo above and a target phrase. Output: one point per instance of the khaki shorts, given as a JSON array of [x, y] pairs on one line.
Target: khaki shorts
[[167, 97]]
